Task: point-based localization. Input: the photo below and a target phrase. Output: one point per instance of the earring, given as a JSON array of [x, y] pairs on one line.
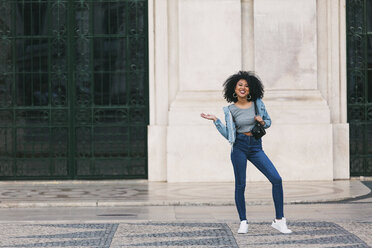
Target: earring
[[249, 97], [235, 95]]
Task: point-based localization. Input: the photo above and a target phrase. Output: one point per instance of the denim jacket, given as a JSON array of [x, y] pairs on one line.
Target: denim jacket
[[229, 130]]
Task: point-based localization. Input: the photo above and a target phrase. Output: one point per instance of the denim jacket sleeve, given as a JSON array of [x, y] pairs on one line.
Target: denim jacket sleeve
[[221, 128], [227, 130], [263, 113]]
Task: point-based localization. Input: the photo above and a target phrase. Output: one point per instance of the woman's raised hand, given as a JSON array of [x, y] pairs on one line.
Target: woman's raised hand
[[208, 116]]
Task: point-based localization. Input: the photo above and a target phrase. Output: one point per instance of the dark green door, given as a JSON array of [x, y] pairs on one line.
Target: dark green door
[[359, 85], [73, 89]]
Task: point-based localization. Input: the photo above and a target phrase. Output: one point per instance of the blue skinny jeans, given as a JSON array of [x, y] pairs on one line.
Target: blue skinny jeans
[[248, 148]]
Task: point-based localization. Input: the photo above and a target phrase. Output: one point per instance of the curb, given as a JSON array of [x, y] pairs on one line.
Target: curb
[[351, 192]]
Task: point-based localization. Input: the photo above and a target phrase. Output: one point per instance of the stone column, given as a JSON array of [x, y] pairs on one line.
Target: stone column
[[158, 71], [300, 140], [332, 78], [209, 50], [247, 35]]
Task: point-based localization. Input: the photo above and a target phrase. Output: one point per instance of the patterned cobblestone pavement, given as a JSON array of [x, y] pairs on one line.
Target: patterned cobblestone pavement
[[314, 234], [174, 235], [306, 234], [58, 235]]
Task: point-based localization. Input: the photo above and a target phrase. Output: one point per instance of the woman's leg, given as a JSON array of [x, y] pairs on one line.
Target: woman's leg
[[263, 163], [239, 161]]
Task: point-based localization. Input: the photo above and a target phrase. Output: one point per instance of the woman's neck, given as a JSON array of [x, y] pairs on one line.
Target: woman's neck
[[242, 101]]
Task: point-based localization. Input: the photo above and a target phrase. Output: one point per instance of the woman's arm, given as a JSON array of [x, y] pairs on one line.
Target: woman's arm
[[219, 125], [266, 118], [263, 117], [221, 128]]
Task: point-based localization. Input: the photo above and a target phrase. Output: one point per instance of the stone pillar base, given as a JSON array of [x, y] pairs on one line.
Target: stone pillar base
[[341, 154], [157, 153]]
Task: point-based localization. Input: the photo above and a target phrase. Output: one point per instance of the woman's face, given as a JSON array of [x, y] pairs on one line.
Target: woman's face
[[241, 88]]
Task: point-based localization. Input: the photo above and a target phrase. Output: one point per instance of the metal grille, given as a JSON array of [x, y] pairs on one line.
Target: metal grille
[[73, 89], [359, 83]]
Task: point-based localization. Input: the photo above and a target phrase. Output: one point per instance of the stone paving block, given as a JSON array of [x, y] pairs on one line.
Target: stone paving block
[[361, 229], [319, 234], [57, 235], [307, 234], [174, 234]]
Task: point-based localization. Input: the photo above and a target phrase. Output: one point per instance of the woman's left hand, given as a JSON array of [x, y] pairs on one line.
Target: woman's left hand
[[259, 119]]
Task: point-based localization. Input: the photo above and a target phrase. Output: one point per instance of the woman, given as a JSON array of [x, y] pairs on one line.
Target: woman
[[245, 89]]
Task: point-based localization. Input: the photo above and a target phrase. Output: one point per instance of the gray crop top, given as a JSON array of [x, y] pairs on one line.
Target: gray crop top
[[243, 118]]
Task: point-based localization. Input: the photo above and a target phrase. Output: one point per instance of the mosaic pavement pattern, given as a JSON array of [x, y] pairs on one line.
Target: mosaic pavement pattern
[[305, 234], [58, 235], [156, 234], [180, 234]]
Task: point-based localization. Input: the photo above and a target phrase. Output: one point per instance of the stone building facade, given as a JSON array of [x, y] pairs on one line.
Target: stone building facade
[[297, 47]]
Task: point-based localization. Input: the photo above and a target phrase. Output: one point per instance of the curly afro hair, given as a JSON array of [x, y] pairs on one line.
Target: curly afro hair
[[256, 88]]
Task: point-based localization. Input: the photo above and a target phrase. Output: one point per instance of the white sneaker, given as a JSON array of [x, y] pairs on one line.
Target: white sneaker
[[243, 227], [281, 225]]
